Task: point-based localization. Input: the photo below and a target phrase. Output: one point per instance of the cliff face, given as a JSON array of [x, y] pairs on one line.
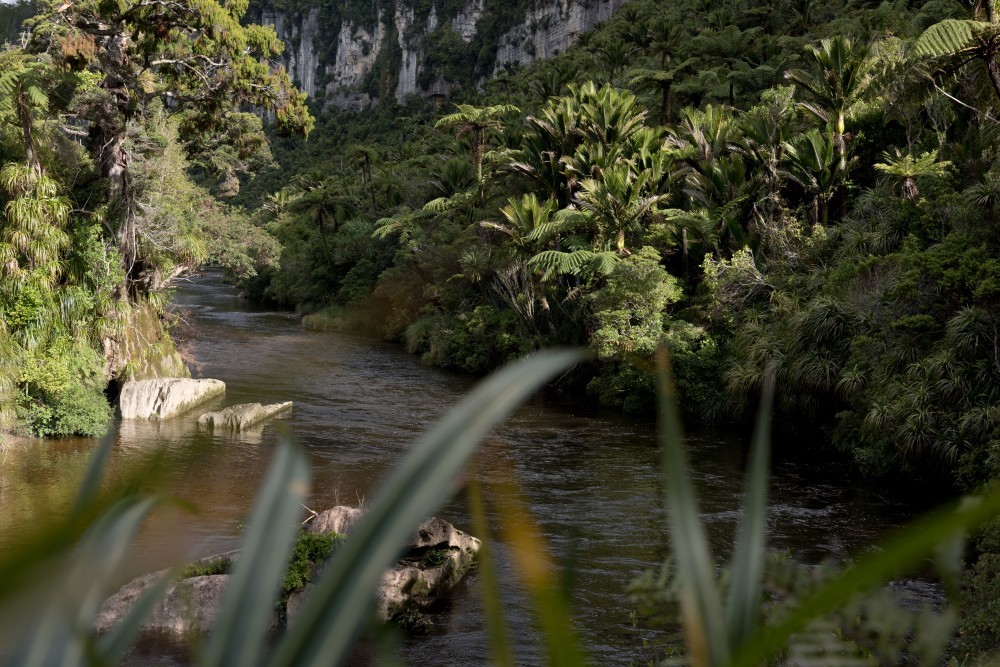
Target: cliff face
[[350, 59], [551, 28]]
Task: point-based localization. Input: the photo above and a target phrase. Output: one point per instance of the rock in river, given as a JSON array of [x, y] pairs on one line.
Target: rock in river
[[437, 558], [238, 417], [162, 398]]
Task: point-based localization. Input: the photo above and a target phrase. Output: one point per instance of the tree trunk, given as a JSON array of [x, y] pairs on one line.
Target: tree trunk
[[994, 70], [30, 156]]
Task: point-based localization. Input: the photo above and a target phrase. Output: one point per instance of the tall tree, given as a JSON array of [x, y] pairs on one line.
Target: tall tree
[[195, 55], [476, 121], [838, 82]]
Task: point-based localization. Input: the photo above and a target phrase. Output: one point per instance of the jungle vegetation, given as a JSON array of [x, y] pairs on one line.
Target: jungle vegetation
[[112, 118], [809, 187]]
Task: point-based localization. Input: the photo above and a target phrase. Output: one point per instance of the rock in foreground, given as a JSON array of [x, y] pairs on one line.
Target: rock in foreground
[[162, 398], [438, 556], [239, 417]]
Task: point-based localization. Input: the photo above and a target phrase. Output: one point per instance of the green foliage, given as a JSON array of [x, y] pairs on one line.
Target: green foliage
[[311, 552], [62, 389], [207, 568], [952, 37], [629, 310], [979, 634]]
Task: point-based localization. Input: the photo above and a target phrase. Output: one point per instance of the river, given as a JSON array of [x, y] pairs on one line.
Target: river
[[590, 480]]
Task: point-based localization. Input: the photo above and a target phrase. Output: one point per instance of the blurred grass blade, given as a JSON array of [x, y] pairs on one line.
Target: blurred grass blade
[[539, 574], [90, 486], [899, 553], [502, 656], [248, 603], [341, 602], [111, 647], [61, 631], [749, 553], [704, 629]]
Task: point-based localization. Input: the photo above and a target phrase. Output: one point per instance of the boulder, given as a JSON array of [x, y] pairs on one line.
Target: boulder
[[341, 519], [162, 398], [189, 606], [436, 558], [239, 417]]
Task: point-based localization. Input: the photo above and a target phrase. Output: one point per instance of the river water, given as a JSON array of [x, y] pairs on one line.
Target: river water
[[591, 481]]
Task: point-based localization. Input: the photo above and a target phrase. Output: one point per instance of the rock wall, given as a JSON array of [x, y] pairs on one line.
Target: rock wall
[[302, 39], [342, 75], [552, 28]]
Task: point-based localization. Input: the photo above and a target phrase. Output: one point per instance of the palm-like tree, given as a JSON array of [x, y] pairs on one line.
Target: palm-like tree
[[327, 204], [730, 47], [813, 162], [838, 82], [608, 116], [618, 204], [23, 101], [960, 41], [476, 122], [662, 81], [907, 169], [616, 55], [522, 218], [553, 134]]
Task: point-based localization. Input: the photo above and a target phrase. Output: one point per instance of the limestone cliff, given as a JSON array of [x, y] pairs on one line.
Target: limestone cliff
[[351, 53]]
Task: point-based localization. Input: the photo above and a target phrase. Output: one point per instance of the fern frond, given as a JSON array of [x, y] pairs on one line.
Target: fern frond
[[953, 36]]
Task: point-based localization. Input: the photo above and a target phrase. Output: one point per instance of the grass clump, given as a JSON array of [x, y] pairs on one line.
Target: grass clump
[[206, 568], [310, 549]]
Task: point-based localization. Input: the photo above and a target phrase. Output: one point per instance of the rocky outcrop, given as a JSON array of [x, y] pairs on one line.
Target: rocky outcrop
[[341, 519], [342, 75], [144, 346], [239, 417], [189, 606], [551, 28], [437, 558], [162, 398], [302, 38]]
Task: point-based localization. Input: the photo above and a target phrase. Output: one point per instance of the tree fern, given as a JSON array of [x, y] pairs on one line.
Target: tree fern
[[952, 37]]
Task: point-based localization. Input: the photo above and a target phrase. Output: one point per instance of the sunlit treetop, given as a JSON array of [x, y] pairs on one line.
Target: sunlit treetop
[[194, 54]]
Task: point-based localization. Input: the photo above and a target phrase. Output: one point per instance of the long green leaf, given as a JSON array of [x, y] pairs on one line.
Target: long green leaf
[[704, 629], [539, 574], [248, 603], [898, 554], [743, 608], [91, 483], [59, 634], [492, 605], [111, 647], [341, 602]]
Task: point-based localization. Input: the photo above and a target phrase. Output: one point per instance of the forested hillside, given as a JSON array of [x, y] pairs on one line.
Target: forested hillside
[[793, 184]]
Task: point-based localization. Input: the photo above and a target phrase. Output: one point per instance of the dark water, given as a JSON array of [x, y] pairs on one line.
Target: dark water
[[591, 481]]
